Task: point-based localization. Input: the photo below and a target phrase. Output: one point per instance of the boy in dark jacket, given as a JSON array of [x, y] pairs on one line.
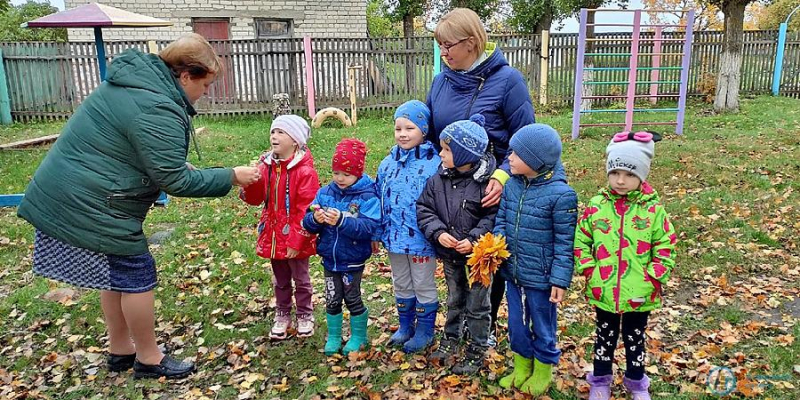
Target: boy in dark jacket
[[450, 214], [345, 214], [538, 213]]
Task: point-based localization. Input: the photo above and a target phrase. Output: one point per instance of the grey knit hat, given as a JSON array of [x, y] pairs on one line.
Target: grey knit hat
[[632, 152]]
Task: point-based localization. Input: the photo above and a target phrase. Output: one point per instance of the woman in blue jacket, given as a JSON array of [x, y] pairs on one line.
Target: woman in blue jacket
[[476, 79]]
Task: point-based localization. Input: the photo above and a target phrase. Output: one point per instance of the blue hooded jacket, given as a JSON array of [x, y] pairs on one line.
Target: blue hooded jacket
[[493, 89], [346, 246], [538, 218], [401, 178]]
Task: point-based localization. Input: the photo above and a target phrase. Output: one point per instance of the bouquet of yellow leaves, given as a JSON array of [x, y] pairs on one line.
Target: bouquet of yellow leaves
[[487, 255]]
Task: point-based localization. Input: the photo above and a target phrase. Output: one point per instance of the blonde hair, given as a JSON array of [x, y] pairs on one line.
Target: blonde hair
[[193, 54], [459, 24]]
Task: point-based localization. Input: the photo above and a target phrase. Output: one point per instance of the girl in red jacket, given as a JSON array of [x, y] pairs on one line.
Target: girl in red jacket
[[287, 187]]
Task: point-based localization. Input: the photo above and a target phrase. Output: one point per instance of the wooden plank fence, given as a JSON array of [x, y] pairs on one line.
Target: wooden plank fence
[[49, 80]]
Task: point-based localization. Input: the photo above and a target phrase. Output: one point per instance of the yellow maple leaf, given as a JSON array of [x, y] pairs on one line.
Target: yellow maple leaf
[[488, 253]]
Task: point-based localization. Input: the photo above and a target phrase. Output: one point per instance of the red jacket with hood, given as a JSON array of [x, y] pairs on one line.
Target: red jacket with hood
[[272, 191]]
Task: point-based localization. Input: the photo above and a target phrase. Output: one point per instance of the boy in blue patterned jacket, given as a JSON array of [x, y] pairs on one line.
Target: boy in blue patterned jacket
[[400, 180], [346, 214], [538, 213]]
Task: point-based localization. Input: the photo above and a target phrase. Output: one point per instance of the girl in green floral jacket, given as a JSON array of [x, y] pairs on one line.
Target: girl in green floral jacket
[[624, 247]]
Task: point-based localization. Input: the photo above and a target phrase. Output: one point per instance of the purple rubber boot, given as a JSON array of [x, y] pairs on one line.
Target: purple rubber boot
[[599, 386], [638, 389]]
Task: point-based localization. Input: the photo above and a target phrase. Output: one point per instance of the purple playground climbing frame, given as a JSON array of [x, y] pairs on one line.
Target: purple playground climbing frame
[[657, 57]]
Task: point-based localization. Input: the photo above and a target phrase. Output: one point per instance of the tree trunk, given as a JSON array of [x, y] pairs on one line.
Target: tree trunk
[[730, 62], [408, 33], [546, 21]]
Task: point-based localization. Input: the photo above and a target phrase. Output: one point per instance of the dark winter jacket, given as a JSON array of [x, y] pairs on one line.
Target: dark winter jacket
[[451, 202], [127, 141], [348, 245], [401, 178], [538, 219], [493, 89], [294, 180]]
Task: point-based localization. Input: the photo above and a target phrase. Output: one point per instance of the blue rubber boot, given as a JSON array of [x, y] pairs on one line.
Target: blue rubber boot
[[407, 316], [426, 322]]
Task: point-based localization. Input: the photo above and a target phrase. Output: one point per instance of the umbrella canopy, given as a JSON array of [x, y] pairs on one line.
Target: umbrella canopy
[[97, 16], [94, 15]]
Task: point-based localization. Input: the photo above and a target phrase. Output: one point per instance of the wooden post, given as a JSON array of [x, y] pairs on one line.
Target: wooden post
[[152, 47], [5, 102], [309, 76], [543, 67], [655, 73], [351, 81]]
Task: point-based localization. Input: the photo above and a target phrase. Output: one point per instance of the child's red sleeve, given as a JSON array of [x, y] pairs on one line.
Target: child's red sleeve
[[307, 187], [256, 193]]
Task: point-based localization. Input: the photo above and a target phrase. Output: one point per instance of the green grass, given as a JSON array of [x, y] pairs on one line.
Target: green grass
[[730, 185]]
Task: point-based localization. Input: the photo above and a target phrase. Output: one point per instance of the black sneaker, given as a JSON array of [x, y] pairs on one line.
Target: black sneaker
[[169, 368], [118, 363], [446, 353], [472, 362]]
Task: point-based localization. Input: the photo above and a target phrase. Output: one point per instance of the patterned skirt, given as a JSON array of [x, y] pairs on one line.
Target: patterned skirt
[[77, 266]]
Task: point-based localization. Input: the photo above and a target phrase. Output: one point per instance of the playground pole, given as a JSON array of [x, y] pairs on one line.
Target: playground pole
[[101, 51], [437, 58], [632, 70], [685, 64], [576, 106], [309, 76], [5, 102], [776, 76]]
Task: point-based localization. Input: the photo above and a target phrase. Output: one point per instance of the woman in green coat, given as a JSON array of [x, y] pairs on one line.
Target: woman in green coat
[[89, 197]]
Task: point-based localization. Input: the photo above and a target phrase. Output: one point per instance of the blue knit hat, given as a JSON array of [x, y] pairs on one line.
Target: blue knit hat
[[538, 146], [467, 140], [416, 112]]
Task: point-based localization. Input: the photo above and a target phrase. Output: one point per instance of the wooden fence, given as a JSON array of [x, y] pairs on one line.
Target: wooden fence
[[49, 80]]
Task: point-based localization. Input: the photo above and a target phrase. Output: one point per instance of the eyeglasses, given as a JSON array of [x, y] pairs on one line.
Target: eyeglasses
[[447, 47]]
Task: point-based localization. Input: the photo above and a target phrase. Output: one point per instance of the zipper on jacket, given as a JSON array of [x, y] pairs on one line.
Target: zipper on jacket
[[335, 243], [516, 232], [275, 203], [619, 260], [474, 97]]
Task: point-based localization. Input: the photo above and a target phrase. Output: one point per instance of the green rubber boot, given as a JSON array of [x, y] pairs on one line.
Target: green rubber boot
[[334, 342], [523, 367], [538, 383], [358, 333]]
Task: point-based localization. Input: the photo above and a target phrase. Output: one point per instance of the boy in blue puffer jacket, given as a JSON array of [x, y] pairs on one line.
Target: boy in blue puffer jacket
[[400, 180], [345, 214], [538, 213]]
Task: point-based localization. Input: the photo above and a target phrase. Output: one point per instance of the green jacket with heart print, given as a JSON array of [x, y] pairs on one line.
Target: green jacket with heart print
[[625, 248]]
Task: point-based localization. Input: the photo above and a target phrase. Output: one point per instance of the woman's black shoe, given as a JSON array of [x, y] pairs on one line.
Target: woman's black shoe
[[118, 363], [169, 368]]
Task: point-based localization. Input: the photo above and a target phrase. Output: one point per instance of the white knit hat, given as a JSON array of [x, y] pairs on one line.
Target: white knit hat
[[295, 126]]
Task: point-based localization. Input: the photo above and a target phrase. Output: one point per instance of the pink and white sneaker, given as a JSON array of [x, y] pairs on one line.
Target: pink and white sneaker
[[280, 326], [305, 326]]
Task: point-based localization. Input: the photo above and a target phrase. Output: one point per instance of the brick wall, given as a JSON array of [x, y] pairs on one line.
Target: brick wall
[[323, 18]]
